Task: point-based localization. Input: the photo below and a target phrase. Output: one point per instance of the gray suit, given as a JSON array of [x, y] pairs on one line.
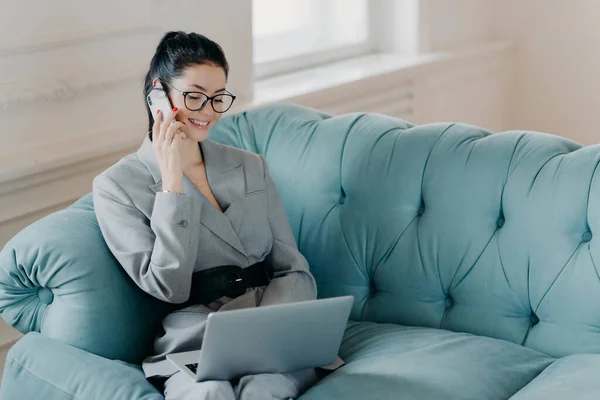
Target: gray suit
[[160, 239]]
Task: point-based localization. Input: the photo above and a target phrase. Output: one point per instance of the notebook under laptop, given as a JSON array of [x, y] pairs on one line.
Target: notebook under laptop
[[272, 339]]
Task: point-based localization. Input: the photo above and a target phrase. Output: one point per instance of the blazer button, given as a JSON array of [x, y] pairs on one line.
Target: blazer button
[[183, 223]]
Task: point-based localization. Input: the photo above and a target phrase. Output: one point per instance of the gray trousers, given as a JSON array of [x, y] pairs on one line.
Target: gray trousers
[[251, 387]]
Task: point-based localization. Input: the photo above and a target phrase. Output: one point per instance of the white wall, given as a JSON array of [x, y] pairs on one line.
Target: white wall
[[557, 65], [448, 24], [557, 60]]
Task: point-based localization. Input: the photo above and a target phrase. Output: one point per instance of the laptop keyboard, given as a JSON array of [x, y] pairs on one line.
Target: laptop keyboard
[[192, 367]]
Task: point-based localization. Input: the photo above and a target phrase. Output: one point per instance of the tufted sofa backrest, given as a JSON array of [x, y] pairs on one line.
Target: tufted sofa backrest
[[441, 225]]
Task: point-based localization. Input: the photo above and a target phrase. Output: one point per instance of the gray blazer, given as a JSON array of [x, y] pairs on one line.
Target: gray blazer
[[160, 239]]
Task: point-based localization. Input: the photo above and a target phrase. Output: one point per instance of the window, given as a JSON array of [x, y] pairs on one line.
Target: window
[[295, 34]]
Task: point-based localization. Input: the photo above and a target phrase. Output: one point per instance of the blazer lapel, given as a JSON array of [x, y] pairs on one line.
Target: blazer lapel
[[225, 175]]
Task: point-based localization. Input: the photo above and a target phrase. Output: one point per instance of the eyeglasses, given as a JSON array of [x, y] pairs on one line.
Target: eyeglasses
[[195, 101]]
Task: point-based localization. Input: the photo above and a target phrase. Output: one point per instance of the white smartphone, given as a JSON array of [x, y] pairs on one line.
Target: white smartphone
[[157, 99]]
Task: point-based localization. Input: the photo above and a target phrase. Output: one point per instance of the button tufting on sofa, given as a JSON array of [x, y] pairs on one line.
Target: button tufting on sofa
[[587, 236], [372, 288], [45, 295], [449, 302], [343, 196], [421, 210], [534, 319], [500, 222]]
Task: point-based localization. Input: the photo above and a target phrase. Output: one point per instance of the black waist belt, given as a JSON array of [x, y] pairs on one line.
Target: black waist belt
[[227, 280]]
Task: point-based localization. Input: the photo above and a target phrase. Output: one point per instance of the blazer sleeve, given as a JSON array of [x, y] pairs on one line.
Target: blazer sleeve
[[292, 280], [158, 253]]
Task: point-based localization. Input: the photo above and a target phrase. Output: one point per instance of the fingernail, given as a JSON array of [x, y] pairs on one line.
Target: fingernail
[[157, 112], [175, 109], [183, 122]]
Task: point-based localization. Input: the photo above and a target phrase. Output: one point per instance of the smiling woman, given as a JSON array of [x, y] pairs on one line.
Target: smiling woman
[[182, 210], [198, 102], [194, 70]]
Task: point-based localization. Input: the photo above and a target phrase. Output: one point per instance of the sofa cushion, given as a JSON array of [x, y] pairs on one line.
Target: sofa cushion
[[572, 377], [386, 361]]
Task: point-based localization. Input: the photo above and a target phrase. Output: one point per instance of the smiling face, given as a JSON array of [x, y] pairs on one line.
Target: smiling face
[[205, 78]]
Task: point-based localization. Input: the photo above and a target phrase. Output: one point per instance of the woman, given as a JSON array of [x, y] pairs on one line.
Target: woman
[[184, 205]]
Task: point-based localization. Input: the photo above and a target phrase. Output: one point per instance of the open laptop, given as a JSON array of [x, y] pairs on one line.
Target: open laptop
[[270, 339]]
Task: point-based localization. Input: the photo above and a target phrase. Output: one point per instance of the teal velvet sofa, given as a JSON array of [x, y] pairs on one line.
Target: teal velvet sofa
[[472, 257]]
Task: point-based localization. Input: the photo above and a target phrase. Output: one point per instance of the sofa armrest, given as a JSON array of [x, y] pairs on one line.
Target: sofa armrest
[[41, 368], [58, 277]]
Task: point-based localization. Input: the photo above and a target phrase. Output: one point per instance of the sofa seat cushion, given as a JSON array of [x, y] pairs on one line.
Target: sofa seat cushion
[[387, 361], [572, 377]]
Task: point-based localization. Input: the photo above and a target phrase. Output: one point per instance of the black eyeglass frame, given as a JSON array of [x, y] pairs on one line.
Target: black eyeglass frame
[[208, 98]]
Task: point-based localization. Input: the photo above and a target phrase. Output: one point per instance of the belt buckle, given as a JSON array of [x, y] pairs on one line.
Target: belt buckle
[[236, 280]]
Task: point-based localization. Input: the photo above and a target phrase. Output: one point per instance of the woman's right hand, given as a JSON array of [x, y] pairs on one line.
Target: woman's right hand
[[165, 142]]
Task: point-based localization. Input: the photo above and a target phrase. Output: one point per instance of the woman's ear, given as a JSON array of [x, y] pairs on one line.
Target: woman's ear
[[154, 82]]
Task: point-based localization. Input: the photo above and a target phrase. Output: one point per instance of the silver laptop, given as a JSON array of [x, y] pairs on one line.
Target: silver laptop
[[271, 339]]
